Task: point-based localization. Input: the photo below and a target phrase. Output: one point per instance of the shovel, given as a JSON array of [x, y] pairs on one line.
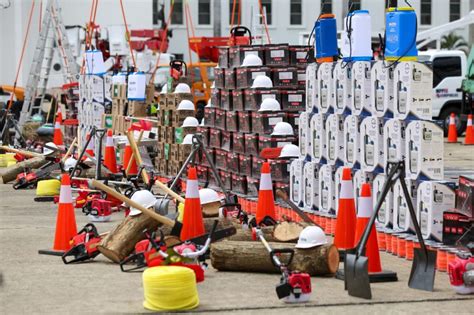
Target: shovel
[[357, 280]]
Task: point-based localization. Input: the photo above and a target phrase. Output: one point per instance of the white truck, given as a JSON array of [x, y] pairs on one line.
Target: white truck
[[449, 69]]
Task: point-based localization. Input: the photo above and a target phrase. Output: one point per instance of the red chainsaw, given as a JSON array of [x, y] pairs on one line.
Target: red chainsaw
[[84, 245], [294, 286]]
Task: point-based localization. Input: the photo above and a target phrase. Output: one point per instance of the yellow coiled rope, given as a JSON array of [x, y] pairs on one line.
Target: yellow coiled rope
[[48, 187], [170, 288]]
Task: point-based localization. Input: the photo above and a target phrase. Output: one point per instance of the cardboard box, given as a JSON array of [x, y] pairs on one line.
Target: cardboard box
[[229, 78], [413, 93], [233, 162], [221, 159], [293, 100], [232, 121], [318, 138], [238, 142], [285, 77], [137, 109], [253, 185], [170, 134], [205, 133], [226, 99], [455, 228], [179, 116], [382, 89], [226, 143], [216, 98], [301, 54], [311, 186], [256, 166], [223, 60], [254, 97], [263, 122], [304, 131], [465, 196], [178, 97], [239, 184], [244, 121], [160, 150], [434, 198], [251, 144], [163, 167], [265, 141], [342, 87], [401, 215], [246, 75], [215, 138], [325, 86], [277, 55], [183, 151], [163, 101], [237, 54], [209, 116], [107, 121], [312, 97], [296, 181], [352, 141], [371, 145], [168, 117], [220, 119], [424, 150], [238, 100], [361, 88], [335, 139], [219, 78], [394, 141], [301, 76], [202, 173], [245, 165], [280, 170]]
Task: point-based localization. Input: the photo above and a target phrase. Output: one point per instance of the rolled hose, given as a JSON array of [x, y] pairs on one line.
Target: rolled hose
[[169, 288]]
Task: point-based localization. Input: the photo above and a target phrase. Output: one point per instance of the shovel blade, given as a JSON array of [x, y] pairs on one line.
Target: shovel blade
[[423, 270], [357, 280]]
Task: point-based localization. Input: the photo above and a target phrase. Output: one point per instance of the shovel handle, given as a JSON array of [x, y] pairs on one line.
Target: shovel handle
[[131, 203]]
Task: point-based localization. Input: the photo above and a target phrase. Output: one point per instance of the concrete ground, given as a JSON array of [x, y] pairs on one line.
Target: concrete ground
[[33, 283]]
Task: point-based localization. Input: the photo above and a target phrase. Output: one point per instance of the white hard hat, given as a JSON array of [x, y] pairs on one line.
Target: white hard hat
[[164, 89], [208, 195], [282, 129], [190, 122], [182, 88], [262, 81], [188, 139], [269, 105], [144, 198], [70, 163], [185, 105], [48, 151], [252, 60], [311, 236], [290, 151]]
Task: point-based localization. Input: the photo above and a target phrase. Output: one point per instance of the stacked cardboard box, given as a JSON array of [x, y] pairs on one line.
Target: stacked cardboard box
[[235, 131], [171, 153]]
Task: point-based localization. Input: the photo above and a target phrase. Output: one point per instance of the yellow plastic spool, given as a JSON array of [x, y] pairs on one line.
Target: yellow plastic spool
[[170, 288], [7, 160], [48, 188]]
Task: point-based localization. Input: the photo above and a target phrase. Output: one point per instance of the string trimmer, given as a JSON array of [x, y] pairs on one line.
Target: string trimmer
[[294, 286]]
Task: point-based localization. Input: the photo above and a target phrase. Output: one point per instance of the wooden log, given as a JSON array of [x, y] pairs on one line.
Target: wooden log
[[253, 257], [120, 242], [288, 231], [246, 235], [28, 154], [9, 173]]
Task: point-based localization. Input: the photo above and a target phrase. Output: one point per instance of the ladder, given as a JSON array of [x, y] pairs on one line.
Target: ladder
[[53, 35]]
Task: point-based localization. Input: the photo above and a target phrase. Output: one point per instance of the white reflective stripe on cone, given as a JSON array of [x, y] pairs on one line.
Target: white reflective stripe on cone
[[469, 122], [347, 191], [57, 125], [109, 142], [365, 207], [192, 190], [451, 120], [65, 194], [266, 182]]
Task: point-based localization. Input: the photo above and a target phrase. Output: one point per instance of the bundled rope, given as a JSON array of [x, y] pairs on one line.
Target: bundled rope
[[170, 288]]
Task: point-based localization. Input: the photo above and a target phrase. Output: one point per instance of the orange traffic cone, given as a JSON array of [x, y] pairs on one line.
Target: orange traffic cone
[[364, 213], [110, 159], [59, 114], [452, 132], [266, 202], [66, 218], [469, 139], [58, 135], [346, 214], [90, 146], [128, 158], [193, 224]]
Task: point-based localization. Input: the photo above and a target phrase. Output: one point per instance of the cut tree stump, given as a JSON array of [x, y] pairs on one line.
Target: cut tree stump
[[253, 257], [10, 173], [288, 231], [121, 240]]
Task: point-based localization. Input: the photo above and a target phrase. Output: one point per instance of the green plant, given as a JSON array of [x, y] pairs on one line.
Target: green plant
[[453, 41]]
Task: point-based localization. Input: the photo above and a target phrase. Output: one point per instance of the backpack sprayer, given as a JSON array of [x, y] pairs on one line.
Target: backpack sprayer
[[294, 286]]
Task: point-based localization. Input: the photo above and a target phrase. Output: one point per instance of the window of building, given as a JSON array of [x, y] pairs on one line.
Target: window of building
[[327, 6], [444, 67], [177, 16], [454, 10], [204, 12], [425, 8], [267, 9], [236, 12], [155, 12], [296, 12], [356, 5]]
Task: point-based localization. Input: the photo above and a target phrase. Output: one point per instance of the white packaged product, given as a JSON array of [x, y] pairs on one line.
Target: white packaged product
[[382, 90], [394, 140], [296, 181], [318, 137], [311, 183], [424, 150], [360, 177], [327, 196], [371, 144], [304, 135], [352, 141], [335, 139], [434, 198], [342, 87], [95, 62], [325, 85], [413, 82], [361, 89], [401, 215], [385, 215], [136, 86], [311, 87]]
